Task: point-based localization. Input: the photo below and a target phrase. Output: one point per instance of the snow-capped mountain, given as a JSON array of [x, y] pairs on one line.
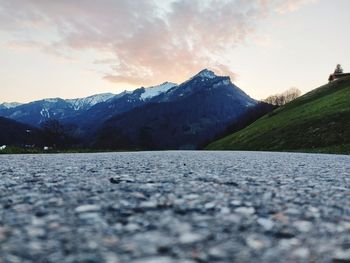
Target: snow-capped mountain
[[205, 80], [36, 112], [82, 111], [166, 116], [91, 119], [205, 73], [184, 117]]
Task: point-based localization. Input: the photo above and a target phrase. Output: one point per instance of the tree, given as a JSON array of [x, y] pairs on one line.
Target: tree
[[283, 98], [291, 94]]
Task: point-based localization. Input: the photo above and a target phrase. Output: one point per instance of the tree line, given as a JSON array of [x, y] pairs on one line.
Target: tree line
[[284, 97]]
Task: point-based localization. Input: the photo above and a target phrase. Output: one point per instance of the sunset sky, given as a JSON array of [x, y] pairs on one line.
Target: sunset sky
[[78, 48]]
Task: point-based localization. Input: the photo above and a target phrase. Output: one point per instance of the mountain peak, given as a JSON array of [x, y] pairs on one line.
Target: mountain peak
[[206, 73]]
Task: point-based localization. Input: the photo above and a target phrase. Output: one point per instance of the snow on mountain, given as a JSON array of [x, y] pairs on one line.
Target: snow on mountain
[[157, 90], [206, 74], [203, 75], [9, 105], [45, 113], [51, 100], [88, 102]]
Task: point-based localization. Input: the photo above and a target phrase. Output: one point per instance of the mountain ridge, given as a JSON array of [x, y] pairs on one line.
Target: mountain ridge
[[63, 109], [99, 107]]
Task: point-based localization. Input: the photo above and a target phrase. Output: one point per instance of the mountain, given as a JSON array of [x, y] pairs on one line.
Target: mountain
[[154, 91], [87, 102], [319, 121], [90, 120], [15, 133], [183, 117], [37, 112], [9, 105], [167, 116], [85, 113]]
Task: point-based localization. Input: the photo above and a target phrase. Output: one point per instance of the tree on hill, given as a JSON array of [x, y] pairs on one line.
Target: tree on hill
[[283, 98]]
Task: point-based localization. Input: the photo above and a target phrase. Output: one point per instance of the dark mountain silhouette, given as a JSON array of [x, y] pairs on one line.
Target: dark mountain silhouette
[[18, 134]]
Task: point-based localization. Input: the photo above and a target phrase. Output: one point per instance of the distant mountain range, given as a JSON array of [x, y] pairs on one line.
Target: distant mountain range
[[168, 116], [84, 111]]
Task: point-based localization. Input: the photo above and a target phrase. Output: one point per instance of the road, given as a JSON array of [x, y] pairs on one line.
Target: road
[[169, 207]]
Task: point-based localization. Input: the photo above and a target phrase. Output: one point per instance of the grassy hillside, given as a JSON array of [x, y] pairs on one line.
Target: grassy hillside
[[319, 121]]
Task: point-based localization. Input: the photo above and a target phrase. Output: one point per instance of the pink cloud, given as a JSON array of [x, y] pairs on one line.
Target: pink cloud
[[149, 44], [292, 5]]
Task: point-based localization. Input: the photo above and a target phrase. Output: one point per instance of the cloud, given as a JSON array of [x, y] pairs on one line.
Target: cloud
[[149, 40], [29, 46], [292, 5]]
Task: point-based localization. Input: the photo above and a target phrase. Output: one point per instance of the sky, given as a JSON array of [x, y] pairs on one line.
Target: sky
[[72, 49]]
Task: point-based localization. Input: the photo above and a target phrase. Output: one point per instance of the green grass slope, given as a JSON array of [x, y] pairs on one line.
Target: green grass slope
[[319, 121]]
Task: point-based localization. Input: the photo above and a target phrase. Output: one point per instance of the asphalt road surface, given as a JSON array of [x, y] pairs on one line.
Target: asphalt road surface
[[167, 207]]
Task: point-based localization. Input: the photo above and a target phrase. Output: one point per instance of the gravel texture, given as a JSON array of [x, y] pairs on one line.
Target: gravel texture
[[169, 207]]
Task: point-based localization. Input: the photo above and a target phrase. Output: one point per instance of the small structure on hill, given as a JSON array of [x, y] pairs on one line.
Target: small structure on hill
[[338, 74]]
